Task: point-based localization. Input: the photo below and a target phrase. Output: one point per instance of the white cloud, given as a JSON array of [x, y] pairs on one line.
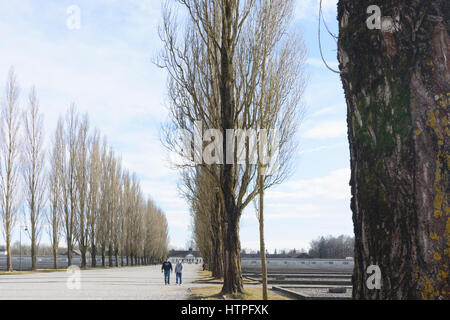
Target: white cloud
[[322, 148], [333, 186], [309, 9], [318, 63], [327, 130]]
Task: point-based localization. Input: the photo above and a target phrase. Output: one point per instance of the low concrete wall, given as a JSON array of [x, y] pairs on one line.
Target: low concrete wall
[[299, 264]]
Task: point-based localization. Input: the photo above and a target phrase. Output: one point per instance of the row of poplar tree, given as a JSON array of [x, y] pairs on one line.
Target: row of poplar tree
[[76, 189], [233, 66]]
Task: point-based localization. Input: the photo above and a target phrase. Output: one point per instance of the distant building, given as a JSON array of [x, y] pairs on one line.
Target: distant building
[[186, 256]]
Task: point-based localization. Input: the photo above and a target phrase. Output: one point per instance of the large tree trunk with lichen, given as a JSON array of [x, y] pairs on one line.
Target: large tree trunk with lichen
[[232, 272], [397, 89]]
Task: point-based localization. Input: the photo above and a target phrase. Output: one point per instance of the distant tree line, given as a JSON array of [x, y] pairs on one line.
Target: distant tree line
[[25, 249], [332, 247], [329, 247], [76, 190]]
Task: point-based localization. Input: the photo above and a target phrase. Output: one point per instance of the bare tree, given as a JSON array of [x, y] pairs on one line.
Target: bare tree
[[10, 161], [94, 195], [157, 239], [56, 186], [103, 219], [200, 189], [70, 189], [237, 67], [127, 203], [82, 185], [33, 171], [118, 212], [92, 200]]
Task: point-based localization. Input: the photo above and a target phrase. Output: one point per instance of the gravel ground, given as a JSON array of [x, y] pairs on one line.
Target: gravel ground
[[141, 283], [322, 292]]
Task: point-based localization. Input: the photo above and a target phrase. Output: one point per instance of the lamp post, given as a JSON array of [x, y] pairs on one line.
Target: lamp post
[[20, 247]]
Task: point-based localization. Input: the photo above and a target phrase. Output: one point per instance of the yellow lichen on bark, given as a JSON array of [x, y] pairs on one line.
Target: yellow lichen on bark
[[437, 256], [437, 284]]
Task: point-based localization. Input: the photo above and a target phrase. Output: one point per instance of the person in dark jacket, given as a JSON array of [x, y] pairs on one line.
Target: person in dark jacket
[[167, 269], [178, 271]]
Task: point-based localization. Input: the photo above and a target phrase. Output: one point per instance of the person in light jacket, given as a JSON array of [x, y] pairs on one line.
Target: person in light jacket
[[178, 271]]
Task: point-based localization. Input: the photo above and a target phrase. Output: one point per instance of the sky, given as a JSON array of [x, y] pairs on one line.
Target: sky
[[105, 67]]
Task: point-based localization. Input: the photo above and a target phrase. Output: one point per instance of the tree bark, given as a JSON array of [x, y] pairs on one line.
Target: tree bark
[[69, 251], [55, 258], [55, 247], [93, 256], [261, 235], [103, 259], [83, 257], [231, 244], [33, 251], [110, 255], [9, 267], [217, 250], [232, 273], [397, 90]]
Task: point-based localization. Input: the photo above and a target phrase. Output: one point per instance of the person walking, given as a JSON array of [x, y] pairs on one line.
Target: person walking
[[178, 271], [167, 269]]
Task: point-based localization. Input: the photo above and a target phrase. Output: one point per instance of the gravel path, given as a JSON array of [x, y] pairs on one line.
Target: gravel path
[[142, 283]]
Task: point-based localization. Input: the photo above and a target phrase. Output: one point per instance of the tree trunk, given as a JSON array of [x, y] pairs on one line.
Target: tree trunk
[[9, 267], [55, 248], [55, 258], [103, 258], [231, 215], [110, 255], [261, 235], [397, 91], [93, 256], [217, 251], [217, 265], [33, 256], [69, 251], [83, 257], [232, 273], [33, 243]]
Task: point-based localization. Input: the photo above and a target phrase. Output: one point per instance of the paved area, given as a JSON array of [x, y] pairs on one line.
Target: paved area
[[140, 283]]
